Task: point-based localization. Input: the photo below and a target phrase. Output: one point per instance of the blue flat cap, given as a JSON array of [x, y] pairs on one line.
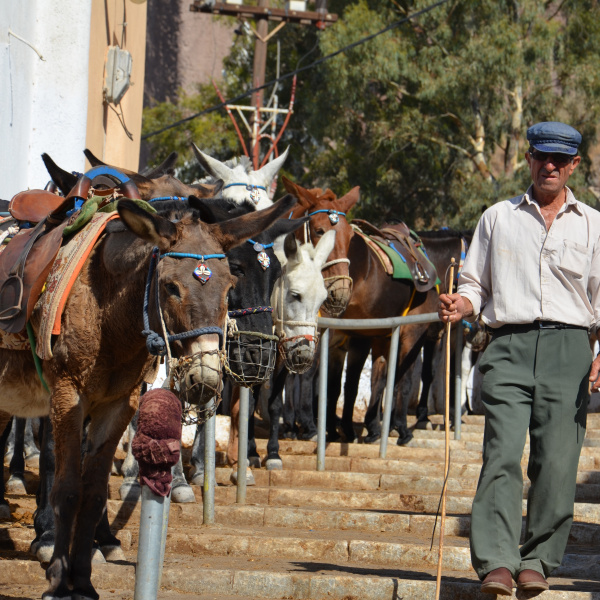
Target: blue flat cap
[[553, 136]]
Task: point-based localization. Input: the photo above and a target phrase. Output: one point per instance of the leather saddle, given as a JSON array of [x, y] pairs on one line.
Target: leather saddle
[[28, 257], [400, 238]]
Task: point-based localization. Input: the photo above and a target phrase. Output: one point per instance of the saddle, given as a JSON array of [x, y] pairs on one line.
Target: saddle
[[28, 258], [399, 239]]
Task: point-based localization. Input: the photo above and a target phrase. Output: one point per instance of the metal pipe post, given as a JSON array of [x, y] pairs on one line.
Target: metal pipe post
[[163, 540], [389, 392], [242, 445], [208, 489], [458, 381], [322, 412], [149, 555]]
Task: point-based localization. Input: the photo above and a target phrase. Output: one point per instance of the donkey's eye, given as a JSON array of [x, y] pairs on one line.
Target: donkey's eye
[[296, 296], [236, 269], [320, 231], [173, 289]]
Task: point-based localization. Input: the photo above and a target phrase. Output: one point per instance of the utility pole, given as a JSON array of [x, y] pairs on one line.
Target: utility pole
[[261, 15]]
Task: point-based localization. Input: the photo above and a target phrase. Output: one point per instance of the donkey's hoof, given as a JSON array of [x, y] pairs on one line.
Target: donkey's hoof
[[403, 440], [87, 593], [97, 556], [183, 494], [274, 464], [372, 438], [16, 485], [423, 424], [113, 553], [130, 491], [33, 460], [254, 461], [249, 477], [4, 512], [197, 478], [43, 552]]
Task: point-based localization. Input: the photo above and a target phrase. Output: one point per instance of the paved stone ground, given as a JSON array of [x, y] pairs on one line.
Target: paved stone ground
[[360, 530]]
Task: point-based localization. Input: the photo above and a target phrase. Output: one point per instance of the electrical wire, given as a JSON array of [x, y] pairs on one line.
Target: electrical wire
[[296, 71]]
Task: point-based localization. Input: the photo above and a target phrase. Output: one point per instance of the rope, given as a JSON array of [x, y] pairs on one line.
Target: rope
[[242, 312]]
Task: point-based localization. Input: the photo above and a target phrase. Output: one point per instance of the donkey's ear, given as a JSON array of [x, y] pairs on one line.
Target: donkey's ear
[[92, 159], [284, 226], [325, 246], [212, 166], [207, 190], [150, 227], [350, 199], [290, 246], [269, 171], [64, 180], [167, 167], [210, 210]]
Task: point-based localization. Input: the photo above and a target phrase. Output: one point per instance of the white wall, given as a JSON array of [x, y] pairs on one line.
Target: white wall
[[43, 103]]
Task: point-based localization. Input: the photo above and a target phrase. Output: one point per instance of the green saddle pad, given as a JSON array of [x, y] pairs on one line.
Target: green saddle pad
[[401, 270]]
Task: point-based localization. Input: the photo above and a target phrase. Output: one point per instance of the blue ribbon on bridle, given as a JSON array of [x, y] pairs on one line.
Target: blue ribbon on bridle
[[155, 343], [160, 198], [328, 211], [248, 186]]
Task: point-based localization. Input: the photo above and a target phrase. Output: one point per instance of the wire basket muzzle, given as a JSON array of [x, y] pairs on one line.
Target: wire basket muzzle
[[250, 357]]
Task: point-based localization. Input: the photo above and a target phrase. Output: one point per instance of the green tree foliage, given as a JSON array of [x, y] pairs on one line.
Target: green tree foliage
[[430, 117]]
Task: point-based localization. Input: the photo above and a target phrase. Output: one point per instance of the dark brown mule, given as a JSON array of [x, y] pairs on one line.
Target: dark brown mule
[[326, 210], [101, 360]]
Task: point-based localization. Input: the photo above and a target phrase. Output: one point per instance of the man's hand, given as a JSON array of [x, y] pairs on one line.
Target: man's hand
[[594, 375], [453, 307]]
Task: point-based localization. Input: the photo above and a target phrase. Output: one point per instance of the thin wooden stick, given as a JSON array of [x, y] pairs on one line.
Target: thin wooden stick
[[447, 446]]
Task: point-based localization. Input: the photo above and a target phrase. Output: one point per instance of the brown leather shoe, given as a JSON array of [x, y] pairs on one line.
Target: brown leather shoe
[[532, 581], [498, 581]]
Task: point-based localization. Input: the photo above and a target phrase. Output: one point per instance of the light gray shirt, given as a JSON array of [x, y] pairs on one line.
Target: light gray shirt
[[517, 272]]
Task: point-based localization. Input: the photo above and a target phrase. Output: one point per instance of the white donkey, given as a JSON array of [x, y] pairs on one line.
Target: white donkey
[[240, 182]]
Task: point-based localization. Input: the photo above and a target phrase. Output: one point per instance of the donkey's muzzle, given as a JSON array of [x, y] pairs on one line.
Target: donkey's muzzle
[[339, 291], [250, 357]]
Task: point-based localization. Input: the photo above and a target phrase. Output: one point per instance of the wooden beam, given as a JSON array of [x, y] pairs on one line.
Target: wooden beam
[[257, 12]]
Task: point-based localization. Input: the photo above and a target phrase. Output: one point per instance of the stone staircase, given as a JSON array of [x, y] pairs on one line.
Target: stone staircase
[[360, 530]]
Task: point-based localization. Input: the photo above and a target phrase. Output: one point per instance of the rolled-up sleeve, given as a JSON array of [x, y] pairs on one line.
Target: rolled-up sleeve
[[474, 282], [594, 287]]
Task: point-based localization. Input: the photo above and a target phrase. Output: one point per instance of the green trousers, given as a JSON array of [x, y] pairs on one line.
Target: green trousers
[[534, 380]]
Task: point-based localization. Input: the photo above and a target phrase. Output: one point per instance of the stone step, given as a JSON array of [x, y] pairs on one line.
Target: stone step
[[232, 578], [355, 500]]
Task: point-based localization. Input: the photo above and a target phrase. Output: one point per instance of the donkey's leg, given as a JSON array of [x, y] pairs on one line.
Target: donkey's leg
[[181, 491], [412, 338], [232, 446], [32, 452], [358, 352], [108, 422], [130, 489], [5, 427], [426, 380], [335, 369], [273, 460], [292, 391], [253, 456], [43, 519], [379, 366], [16, 481], [197, 459], [306, 412], [65, 497]]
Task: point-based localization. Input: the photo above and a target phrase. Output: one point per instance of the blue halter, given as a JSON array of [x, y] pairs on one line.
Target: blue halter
[[160, 198], [155, 343], [253, 189], [334, 215]]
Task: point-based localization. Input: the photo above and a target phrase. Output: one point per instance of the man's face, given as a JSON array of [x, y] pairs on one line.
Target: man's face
[[550, 172]]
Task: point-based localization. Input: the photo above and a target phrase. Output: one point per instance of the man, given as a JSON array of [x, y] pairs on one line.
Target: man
[[533, 272]]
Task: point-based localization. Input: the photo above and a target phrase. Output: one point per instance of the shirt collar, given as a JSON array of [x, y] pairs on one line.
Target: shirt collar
[[527, 197]]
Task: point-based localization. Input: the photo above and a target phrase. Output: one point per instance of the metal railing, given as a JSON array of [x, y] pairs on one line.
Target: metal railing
[[325, 324]]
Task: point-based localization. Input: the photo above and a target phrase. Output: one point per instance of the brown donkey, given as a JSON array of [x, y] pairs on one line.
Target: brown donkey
[[100, 358]]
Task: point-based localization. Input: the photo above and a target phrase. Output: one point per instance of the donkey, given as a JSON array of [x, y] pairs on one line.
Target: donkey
[[251, 347], [240, 182], [158, 182], [296, 300], [100, 358]]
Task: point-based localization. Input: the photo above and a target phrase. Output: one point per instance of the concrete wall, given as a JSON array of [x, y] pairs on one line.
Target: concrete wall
[[43, 103]]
